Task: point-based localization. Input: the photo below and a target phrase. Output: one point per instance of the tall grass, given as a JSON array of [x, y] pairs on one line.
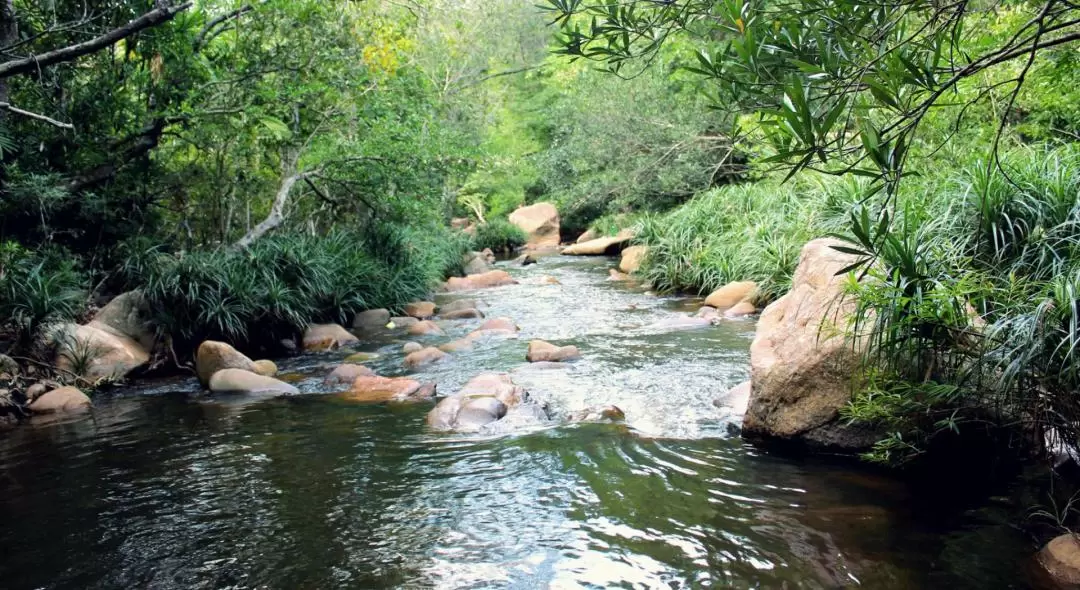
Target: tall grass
[[37, 288]]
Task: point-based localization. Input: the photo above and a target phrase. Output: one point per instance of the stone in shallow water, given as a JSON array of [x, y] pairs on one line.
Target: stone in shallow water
[[361, 357], [241, 381], [540, 351], [346, 374], [425, 356]]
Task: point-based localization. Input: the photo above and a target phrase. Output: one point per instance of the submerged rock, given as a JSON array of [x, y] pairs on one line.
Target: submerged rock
[[802, 366], [411, 347], [63, 399], [540, 351], [361, 357], [457, 345], [614, 275], [681, 322], [421, 310], [608, 413], [501, 323], [484, 400], [327, 337], [459, 305], [540, 222], [402, 323], [740, 309], [214, 356], [375, 389], [241, 381]]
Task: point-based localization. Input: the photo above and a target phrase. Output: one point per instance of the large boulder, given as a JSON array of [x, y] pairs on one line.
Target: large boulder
[[631, 259], [371, 321], [375, 389], [730, 294], [327, 337], [421, 310], [128, 315], [492, 278], [802, 366], [609, 246], [482, 401], [63, 399], [475, 263], [96, 353], [540, 351], [540, 222], [1061, 558], [241, 381], [214, 356]]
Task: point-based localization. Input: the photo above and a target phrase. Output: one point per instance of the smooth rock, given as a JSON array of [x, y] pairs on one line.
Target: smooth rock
[[741, 309], [483, 400], [96, 353], [540, 222], [707, 312], [402, 323], [36, 390], [459, 305], [500, 323], [1061, 558], [608, 246], [802, 366], [421, 310], [411, 347], [463, 314], [327, 337], [540, 351], [63, 399], [371, 321], [614, 275], [497, 385], [735, 399], [424, 356], [265, 368], [730, 294], [475, 263], [346, 374], [128, 315], [631, 259], [424, 328], [586, 236], [214, 356], [375, 389], [493, 278], [361, 357], [457, 345], [241, 381]]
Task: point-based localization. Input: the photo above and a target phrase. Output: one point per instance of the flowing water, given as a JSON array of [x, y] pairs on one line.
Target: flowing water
[[164, 488]]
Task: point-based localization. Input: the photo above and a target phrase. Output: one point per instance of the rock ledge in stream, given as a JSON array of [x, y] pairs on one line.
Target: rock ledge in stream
[[241, 381], [609, 246], [493, 278]]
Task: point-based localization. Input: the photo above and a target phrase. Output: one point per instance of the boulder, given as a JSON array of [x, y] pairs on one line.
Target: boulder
[[424, 356], [371, 321], [489, 256], [421, 310], [63, 399], [587, 236], [730, 294], [607, 246], [411, 347], [424, 328], [463, 314], [606, 413], [499, 324], [707, 313], [402, 323], [345, 374], [497, 385], [128, 315], [540, 351], [741, 309], [375, 389], [735, 399], [241, 381], [802, 367], [36, 390], [475, 263], [214, 356], [483, 400], [457, 345], [540, 222], [327, 337], [459, 305], [631, 259], [95, 352], [265, 368], [492, 278], [1061, 558]]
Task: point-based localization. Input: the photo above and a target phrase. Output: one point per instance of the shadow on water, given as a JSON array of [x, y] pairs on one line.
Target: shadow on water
[[159, 488]]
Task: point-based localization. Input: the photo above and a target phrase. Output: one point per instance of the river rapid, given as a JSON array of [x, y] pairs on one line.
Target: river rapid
[[161, 487]]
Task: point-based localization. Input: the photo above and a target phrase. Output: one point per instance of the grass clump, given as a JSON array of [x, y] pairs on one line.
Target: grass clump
[[37, 288], [500, 235]]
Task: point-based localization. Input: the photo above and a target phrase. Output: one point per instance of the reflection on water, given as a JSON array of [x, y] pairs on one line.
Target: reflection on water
[[161, 490]]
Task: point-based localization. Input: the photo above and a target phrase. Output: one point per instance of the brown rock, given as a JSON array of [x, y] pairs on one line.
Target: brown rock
[[741, 309], [463, 314], [540, 351], [375, 389], [492, 278], [1061, 558], [497, 385], [499, 324], [483, 400], [459, 305], [371, 321], [346, 374], [631, 259], [476, 263], [606, 413], [128, 316], [609, 246], [95, 352], [587, 236], [457, 345], [424, 356], [736, 399], [421, 310], [411, 347], [707, 313], [327, 337], [214, 356], [424, 328], [265, 368], [403, 322], [802, 367], [241, 381], [540, 222], [614, 275], [730, 294], [35, 391], [64, 399]]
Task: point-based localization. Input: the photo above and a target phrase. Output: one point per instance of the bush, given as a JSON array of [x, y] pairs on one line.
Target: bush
[[36, 289], [499, 235]]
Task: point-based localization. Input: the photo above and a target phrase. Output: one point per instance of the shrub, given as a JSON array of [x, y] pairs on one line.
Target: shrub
[[36, 289], [499, 235]]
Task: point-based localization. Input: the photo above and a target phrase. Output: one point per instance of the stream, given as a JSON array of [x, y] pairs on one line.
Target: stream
[[163, 488]]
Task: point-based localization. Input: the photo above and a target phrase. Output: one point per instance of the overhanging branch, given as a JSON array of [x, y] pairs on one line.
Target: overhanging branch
[[13, 109]]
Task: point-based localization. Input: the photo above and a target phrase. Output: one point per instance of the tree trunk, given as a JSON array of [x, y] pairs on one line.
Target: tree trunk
[[277, 212], [9, 35]]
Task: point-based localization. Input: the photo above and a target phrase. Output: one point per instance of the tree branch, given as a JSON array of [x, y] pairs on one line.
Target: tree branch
[[10, 108], [208, 33], [150, 19]]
